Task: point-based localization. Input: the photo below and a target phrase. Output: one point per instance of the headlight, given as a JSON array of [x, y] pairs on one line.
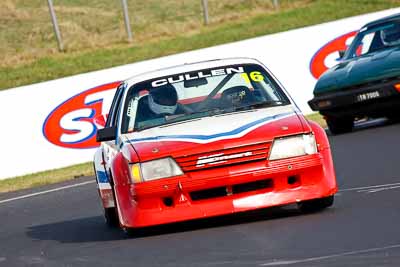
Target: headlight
[[155, 169], [293, 146]]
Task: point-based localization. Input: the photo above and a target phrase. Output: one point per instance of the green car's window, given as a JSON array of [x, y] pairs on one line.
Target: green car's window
[[375, 39]]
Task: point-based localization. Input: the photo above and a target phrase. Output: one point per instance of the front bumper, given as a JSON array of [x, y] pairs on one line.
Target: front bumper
[[191, 197], [366, 100]]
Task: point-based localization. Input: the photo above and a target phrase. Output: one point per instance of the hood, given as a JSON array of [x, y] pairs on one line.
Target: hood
[[372, 67], [215, 133]]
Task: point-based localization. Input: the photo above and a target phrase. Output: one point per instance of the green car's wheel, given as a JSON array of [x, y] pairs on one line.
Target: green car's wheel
[[316, 204], [340, 125]]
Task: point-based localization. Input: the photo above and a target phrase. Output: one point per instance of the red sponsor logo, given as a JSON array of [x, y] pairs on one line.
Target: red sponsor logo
[[327, 56], [72, 124]]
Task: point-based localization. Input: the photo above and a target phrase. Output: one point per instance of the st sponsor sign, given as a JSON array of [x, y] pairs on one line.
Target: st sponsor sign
[[328, 55], [71, 124]]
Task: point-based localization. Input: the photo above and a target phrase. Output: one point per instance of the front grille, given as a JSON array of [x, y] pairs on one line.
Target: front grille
[[224, 191], [223, 157], [373, 84], [386, 84]]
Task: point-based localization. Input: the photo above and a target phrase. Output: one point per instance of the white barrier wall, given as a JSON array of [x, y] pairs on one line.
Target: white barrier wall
[[49, 125]]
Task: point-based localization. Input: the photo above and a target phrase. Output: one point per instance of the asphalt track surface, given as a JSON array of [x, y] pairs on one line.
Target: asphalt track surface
[[65, 227]]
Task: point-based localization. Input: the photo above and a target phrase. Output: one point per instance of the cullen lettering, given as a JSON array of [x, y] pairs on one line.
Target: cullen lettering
[[202, 75], [159, 83], [233, 70], [188, 77], [218, 72], [180, 79], [194, 76]]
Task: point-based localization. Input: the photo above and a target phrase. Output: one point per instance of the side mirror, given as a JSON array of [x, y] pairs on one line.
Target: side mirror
[[100, 121], [341, 53], [106, 134]]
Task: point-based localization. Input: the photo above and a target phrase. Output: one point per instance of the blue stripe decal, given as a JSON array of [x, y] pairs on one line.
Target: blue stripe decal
[[102, 177], [212, 136]]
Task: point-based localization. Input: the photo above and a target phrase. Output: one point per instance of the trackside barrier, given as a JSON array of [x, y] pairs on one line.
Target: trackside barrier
[[50, 125]]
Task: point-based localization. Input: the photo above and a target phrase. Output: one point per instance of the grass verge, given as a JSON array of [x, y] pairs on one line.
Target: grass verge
[[46, 177], [317, 118], [27, 33], [72, 172], [58, 65]]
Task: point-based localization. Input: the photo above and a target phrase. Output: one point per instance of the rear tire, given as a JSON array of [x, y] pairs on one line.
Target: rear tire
[[340, 125], [131, 232], [316, 204], [111, 217], [394, 118], [111, 214]]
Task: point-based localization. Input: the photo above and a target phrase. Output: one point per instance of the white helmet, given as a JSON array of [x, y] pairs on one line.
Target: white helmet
[[163, 100]]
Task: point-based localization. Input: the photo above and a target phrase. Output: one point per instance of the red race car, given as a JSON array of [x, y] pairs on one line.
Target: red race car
[[208, 139]]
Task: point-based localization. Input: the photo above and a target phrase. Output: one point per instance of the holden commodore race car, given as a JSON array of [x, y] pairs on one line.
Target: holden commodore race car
[[366, 82], [208, 139]]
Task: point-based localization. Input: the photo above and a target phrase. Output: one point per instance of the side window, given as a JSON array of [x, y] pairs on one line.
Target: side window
[[113, 114]]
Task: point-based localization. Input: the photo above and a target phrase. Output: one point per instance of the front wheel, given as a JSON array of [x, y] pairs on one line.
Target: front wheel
[[340, 125], [316, 204]]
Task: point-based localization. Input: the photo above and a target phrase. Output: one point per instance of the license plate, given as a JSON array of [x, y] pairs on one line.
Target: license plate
[[367, 96]]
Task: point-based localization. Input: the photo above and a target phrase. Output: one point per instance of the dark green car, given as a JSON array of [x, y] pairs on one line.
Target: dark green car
[[366, 82]]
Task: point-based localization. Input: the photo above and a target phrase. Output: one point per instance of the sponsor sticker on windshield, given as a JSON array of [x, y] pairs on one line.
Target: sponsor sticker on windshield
[[197, 75]]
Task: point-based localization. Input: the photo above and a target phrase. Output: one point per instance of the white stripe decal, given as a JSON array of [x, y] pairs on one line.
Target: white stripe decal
[[104, 186], [202, 139], [45, 192]]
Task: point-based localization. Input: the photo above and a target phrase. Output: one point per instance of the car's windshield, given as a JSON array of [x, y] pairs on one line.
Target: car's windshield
[[375, 38], [208, 92]]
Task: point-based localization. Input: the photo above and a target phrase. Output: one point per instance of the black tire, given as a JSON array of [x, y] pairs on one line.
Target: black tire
[[394, 118], [111, 217], [111, 214], [132, 232], [316, 204], [340, 125]]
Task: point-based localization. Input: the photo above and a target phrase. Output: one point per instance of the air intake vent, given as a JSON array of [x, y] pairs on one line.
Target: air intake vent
[[224, 157], [224, 191]]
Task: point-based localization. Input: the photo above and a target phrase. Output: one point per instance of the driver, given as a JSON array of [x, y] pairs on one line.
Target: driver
[[391, 35], [163, 100], [159, 103]]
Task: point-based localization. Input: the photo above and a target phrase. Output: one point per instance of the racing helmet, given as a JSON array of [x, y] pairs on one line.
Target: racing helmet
[[391, 35], [163, 100]]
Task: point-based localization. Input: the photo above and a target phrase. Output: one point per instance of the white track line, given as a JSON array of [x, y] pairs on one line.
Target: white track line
[[377, 190], [45, 192], [355, 252], [89, 182], [369, 187]]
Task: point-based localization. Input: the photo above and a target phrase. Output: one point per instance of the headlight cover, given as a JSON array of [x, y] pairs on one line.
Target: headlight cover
[[155, 169], [293, 146]]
